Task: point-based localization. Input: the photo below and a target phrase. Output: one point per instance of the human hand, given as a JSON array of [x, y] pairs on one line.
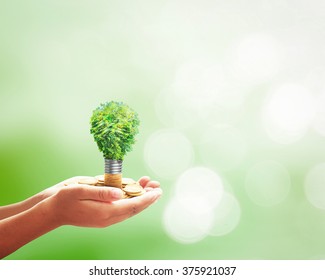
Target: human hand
[[144, 181], [87, 206], [13, 209], [79, 205]]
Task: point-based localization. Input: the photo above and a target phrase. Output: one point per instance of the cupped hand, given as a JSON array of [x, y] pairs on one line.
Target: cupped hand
[[87, 206], [144, 181]]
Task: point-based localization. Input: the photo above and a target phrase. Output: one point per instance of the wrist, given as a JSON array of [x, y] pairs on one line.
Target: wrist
[[30, 202], [20, 229], [49, 213], [19, 207]]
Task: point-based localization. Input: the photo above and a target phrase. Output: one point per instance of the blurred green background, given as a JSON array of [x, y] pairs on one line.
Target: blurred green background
[[231, 97]]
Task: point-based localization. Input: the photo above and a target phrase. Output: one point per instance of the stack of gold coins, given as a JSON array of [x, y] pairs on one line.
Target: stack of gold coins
[[130, 187], [100, 180], [92, 181], [132, 190]]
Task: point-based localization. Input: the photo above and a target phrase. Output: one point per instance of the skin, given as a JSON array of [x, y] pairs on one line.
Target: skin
[[75, 204]]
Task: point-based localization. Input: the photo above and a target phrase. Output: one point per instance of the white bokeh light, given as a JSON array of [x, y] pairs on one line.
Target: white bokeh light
[[172, 112], [168, 153], [256, 58], [200, 207], [204, 86], [226, 215], [315, 186], [186, 226], [223, 147], [319, 120], [199, 189], [201, 92], [198, 84], [194, 210], [288, 112], [267, 183]]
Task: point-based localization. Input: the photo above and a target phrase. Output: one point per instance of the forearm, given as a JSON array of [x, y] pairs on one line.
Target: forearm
[[20, 229], [13, 209]]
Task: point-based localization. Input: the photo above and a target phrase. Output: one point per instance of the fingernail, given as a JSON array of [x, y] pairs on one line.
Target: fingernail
[[116, 193]]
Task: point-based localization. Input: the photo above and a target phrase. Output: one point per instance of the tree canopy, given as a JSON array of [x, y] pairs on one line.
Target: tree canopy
[[114, 126]]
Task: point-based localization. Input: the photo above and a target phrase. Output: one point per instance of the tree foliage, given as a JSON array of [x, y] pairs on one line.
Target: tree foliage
[[114, 126]]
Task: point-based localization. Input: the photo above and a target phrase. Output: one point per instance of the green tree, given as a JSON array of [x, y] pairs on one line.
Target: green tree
[[114, 126]]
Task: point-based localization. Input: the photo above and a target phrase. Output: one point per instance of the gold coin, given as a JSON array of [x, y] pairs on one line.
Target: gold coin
[[88, 181], [125, 195], [128, 181], [100, 178], [130, 187], [133, 189], [138, 194], [70, 181]]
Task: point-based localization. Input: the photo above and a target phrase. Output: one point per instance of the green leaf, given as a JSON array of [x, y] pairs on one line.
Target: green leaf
[[114, 126]]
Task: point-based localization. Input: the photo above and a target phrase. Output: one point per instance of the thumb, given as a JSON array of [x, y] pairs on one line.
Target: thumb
[[100, 193]]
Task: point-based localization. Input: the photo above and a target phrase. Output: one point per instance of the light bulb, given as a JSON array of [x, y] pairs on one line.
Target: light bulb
[[114, 126]]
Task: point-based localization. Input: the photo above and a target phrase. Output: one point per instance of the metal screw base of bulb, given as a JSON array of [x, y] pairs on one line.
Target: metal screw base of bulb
[[113, 173], [113, 166]]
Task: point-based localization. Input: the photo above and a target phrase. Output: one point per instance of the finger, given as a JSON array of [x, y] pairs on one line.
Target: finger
[[72, 180], [98, 193], [132, 210], [67, 182], [133, 206], [143, 181], [152, 184]]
